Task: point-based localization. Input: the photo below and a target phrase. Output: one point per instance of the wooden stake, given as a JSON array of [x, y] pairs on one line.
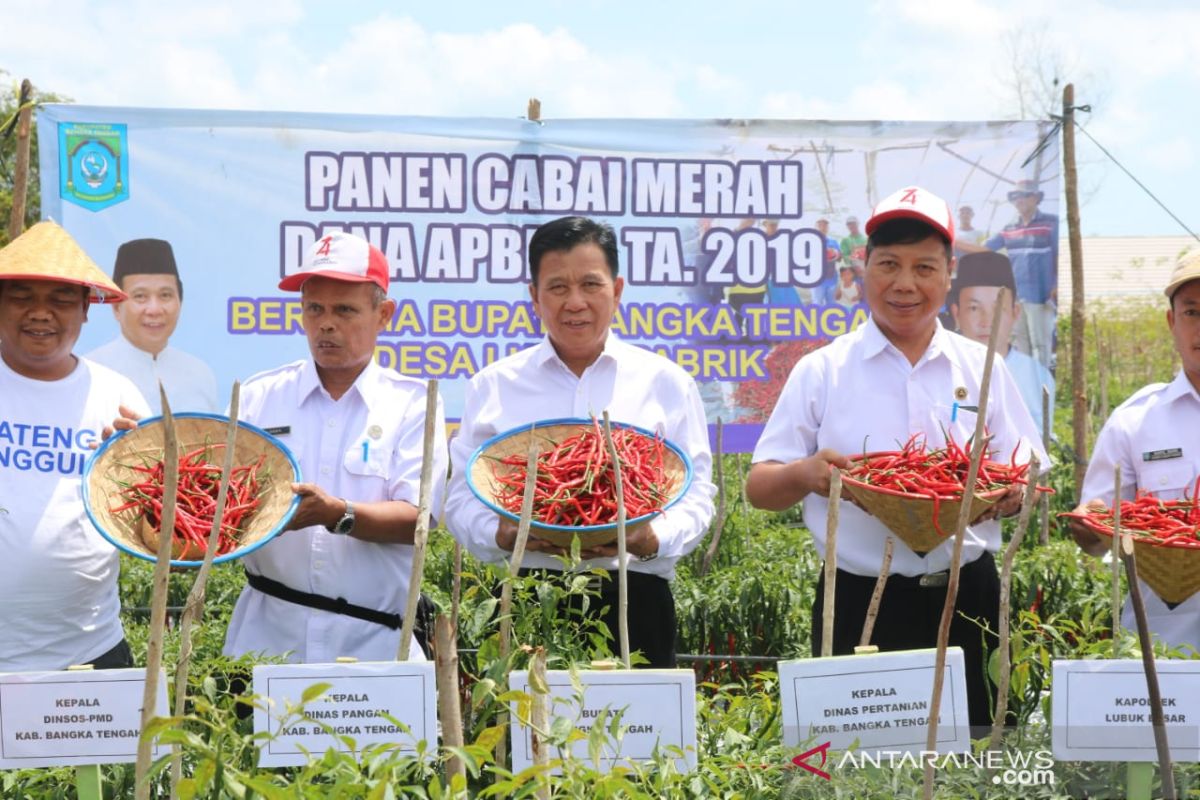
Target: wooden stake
[[514, 568], [1153, 694], [456, 586], [1071, 185], [1010, 554], [964, 516], [421, 533], [885, 569], [533, 111], [193, 608], [831, 524], [1116, 561], [539, 717], [158, 597], [1044, 503], [719, 522], [622, 555], [445, 639], [20, 178]]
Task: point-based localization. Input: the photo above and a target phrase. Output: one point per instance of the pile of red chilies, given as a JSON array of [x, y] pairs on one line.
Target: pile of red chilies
[[1175, 523], [936, 475], [196, 498], [575, 479]]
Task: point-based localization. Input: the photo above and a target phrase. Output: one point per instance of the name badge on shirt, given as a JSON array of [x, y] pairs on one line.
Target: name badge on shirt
[[1162, 455], [279, 430]]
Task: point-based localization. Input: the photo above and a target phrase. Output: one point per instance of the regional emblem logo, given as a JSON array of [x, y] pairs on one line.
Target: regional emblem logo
[[93, 164]]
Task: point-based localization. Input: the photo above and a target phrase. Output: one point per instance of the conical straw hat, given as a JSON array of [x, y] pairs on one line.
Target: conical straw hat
[[46, 252]]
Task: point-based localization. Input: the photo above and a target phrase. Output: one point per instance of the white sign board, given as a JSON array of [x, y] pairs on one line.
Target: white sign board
[[880, 700], [357, 704], [62, 719], [1101, 710], [657, 707]]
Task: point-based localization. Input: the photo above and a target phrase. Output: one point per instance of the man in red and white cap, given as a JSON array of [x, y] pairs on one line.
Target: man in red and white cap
[[337, 583], [897, 375]]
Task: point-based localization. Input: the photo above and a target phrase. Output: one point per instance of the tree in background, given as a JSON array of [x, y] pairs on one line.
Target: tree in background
[[10, 92]]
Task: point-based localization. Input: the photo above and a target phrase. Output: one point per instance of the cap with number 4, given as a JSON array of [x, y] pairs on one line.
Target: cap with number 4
[[343, 257], [913, 202]]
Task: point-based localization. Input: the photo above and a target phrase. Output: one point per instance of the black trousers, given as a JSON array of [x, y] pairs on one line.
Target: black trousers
[[651, 617], [119, 657], [909, 616]]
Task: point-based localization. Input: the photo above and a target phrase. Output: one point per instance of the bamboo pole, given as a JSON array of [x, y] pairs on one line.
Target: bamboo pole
[[158, 597], [20, 178], [1154, 695], [514, 569], [1044, 501], [885, 569], [622, 555], [831, 525], [1115, 598], [964, 516], [445, 639], [1010, 554], [1071, 185], [719, 522], [421, 533], [539, 718], [533, 112], [193, 608]]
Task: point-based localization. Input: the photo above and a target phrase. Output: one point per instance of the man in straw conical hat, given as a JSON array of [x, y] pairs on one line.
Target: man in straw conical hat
[[1152, 435], [58, 577]]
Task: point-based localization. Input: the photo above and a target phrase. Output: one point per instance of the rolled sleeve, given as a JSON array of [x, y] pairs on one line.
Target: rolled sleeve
[[472, 524], [683, 525]]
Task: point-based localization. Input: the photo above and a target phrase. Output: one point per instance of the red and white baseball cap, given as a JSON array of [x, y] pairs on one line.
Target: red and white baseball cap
[[913, 202], [343, 257]]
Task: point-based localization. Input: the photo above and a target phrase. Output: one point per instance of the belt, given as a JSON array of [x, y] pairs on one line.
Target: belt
[[335, 605], [933, 580]]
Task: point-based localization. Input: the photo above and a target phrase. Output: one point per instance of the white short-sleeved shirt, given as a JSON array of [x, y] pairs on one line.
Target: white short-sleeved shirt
[[1155, 437], [58, 576], [366, 447], [635, 386], [861, 394], [189, 382]]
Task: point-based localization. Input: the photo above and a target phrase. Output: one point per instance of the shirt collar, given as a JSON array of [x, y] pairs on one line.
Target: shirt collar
[[129, 351], [1180, 387], [545, 352], [875, 342], [365, 383]]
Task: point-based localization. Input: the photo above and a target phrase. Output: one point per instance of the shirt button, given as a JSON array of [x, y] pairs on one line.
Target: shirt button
[[1163, 480], [324, 470], [333, 423]]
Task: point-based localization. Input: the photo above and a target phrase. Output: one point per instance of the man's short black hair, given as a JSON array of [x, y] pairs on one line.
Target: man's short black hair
[[906, 230], [567, 233]]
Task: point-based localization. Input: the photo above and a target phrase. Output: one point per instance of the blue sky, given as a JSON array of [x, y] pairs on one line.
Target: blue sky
[[939, 59]]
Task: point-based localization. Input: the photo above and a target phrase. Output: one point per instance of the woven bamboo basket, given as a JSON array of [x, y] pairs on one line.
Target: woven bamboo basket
[[911, 518], [110, 467], [1172, 571], [482, 471]]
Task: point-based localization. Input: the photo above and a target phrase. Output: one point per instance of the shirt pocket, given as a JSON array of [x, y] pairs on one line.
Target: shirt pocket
[[366, 458], [1168, 480]]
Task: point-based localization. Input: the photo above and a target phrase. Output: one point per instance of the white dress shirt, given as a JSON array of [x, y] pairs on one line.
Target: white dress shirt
[[636, 386], [1140, 435], [860, 394], [365, 446], [189, 382]]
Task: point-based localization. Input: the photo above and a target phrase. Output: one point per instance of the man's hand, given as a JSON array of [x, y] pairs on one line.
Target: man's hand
[[1008, 504], [1089, 541], [127, 419], [642, 541], [506, 539], [317, 507], [812, 473]]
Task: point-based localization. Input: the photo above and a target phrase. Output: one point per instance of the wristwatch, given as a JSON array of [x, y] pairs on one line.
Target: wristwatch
[[346, 524]]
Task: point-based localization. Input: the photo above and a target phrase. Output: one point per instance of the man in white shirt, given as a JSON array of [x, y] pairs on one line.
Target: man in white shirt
[[337, 582], [145, 270], [58, 576], [899, 374], [1153, 437], [972, 298], [581, 369]]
